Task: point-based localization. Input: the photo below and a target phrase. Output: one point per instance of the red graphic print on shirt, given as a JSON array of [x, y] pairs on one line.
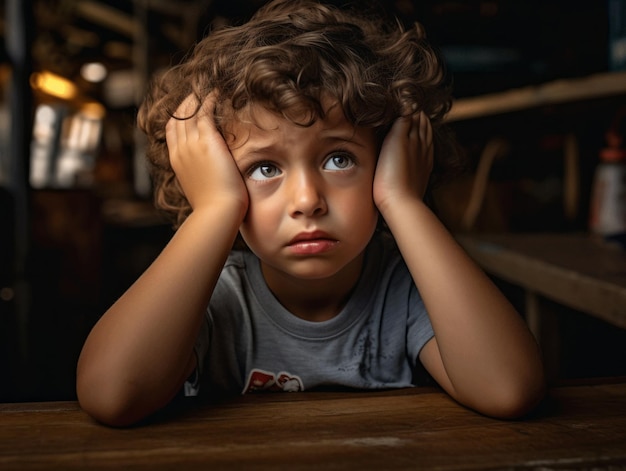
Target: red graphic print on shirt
[[259, 380]]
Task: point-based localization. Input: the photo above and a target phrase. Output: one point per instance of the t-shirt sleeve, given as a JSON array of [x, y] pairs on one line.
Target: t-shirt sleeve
[[419, 328], [192, 385], [403, 297]]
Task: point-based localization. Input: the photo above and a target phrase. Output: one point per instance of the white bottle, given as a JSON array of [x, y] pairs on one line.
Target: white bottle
[[608, 194]]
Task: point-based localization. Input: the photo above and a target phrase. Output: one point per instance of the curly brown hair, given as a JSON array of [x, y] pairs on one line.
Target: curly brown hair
[[288, 57]]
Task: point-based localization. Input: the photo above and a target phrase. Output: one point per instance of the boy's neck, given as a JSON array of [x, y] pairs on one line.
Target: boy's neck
[[314, 300]]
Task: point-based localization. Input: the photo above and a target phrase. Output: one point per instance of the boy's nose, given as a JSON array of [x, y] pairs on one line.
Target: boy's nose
[[306, 196]]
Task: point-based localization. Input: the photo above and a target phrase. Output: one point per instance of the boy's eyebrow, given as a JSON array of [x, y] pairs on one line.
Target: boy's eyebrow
[[344, 137], [253, 152], [340, 136], [350, 140], [261, 149]]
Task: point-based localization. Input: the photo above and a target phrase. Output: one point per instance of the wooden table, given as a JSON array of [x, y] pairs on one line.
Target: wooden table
[[578, 427]]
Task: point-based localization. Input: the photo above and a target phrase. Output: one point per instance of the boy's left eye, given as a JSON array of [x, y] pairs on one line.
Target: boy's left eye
[[264, 171], [339, 161]]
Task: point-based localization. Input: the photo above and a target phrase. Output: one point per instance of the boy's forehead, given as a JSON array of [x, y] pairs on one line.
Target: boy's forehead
[[266, 129], [261, 117]]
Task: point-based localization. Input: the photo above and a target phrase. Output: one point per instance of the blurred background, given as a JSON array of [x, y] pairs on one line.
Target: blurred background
[[76, 219]]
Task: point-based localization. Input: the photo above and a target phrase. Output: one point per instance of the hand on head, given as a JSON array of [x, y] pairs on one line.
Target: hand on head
[[405, 162], [200, 157]]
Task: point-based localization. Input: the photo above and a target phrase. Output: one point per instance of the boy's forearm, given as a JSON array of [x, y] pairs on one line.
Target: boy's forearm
[[139, 353], [482, 339]]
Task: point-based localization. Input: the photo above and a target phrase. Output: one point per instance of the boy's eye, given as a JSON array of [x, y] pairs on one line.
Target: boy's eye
[[339, 161], [264, 171]]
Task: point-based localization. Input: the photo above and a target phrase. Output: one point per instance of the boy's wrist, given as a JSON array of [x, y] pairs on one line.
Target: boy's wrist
[[399, 207], [222, 213], [399, 212]]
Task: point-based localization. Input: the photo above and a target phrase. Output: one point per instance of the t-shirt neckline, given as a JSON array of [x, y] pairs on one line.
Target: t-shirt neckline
[[355, 308]]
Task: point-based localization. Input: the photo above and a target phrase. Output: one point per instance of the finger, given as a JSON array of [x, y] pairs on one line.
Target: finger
[[423, 129], [171, 137], [402, 126], [187, 107], [426, 136], [187, 126], [178, 125], [208, 105], [206, 115], [175, 127], [415, 127], [179, 130]]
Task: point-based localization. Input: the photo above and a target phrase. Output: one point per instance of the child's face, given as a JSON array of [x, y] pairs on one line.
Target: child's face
[[311, 211]]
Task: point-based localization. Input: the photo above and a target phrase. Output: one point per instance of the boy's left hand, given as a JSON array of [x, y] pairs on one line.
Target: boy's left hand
[[405, 161]]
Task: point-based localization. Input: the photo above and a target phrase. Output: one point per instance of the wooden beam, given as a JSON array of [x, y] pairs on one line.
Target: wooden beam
[[107, 16], [550, 93]]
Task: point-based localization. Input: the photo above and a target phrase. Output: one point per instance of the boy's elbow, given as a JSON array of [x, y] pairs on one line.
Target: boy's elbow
[[107, 412], [109, 406], [516, 400]]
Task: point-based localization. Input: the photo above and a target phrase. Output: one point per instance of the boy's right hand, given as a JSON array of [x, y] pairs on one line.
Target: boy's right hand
[[201, 159]]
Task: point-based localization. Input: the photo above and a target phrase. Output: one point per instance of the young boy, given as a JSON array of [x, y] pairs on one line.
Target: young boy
[[311, 134]]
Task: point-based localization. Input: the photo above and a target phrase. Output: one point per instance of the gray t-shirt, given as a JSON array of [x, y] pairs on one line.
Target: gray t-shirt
[[250, 342]]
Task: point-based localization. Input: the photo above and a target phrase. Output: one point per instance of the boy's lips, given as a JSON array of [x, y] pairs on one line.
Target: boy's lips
[[310, 236], [310, 243]]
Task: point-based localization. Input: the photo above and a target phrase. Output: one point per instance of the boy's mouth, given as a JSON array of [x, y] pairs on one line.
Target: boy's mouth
[[311, 243], [309, 236]]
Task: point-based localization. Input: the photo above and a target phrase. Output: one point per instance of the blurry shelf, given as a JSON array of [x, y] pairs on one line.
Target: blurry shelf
[[574, 270], [549, 93], [131, 213]]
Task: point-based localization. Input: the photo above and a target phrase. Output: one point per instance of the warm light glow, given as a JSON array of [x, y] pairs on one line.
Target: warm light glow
[[93, 110], [53, 84], [94, 72]]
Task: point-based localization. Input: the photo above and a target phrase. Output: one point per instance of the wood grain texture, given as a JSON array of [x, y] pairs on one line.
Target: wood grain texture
[[578, 427]]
